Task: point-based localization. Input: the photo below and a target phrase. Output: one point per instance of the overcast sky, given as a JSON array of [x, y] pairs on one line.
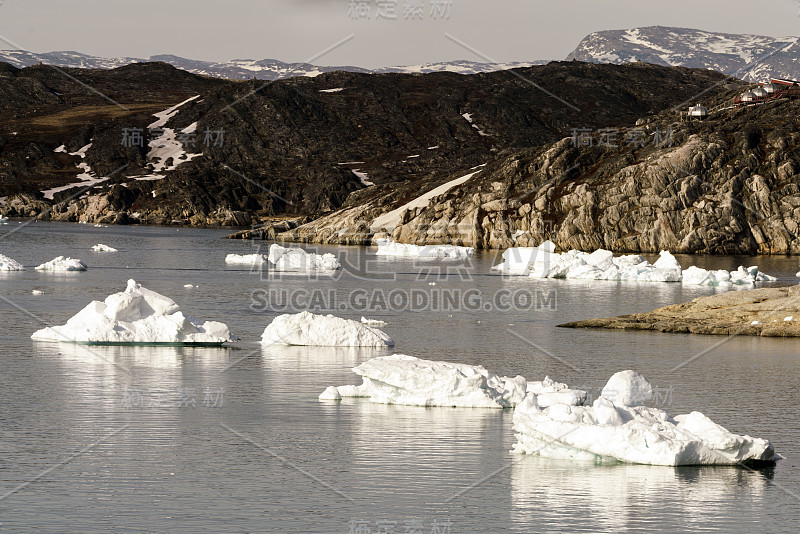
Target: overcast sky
[[297, 30]]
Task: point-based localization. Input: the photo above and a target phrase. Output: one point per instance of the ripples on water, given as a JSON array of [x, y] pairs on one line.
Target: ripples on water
[[234, 439]]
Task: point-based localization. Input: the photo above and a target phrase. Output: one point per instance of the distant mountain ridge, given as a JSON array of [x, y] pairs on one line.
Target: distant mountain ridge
[[241, 69], [753, 58]]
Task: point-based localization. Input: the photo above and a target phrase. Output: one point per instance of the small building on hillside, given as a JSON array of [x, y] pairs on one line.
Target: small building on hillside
[[698, 112]]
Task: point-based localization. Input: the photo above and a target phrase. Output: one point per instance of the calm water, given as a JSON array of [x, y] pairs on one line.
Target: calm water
[[145, 439]]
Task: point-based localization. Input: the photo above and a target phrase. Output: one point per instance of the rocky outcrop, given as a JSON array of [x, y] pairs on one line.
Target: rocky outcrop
[[771, 312], [728, 185]]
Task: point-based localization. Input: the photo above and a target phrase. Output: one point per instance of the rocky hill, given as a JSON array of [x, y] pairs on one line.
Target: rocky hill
[[727, 184], [226, 152], [753, 58]]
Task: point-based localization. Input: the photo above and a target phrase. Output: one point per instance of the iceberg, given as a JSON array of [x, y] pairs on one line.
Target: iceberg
[[136, 315], [387, 247], [297, 259], [402, 379], [544, 262], [103, 248], [8, 264], [62, 263], [742, 276], [308, 329], [372, 322], [244, 259], [619, 428]]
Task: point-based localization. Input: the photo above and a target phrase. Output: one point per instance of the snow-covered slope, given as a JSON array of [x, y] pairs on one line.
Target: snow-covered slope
[[240, 69], [753, 58]]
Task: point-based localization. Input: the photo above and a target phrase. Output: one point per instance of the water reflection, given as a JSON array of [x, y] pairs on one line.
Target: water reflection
[[625, 496]]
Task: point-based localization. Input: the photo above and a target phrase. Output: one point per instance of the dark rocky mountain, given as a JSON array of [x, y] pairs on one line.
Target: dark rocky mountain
[[753, 58], [239, 69], [729, 184], [295, 147]]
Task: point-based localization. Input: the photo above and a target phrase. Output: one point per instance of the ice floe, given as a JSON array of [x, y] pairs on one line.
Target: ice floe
[[9, 264], [402, 379], [306, 328], [103, 248], [373, 322], [297, 259], [245, 259], [544, 262], [136, 315], [62, 263], [387, 247], [618, 428]]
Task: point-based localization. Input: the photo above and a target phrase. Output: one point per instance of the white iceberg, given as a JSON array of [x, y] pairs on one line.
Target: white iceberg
[[297, 259], [387, 247], [244, 259], [544, 262], [401, 379], [623, 430], [742, 276], [136, 315], [8, 264], [62, 263], [549, 392], [308, 329], [103, 248]]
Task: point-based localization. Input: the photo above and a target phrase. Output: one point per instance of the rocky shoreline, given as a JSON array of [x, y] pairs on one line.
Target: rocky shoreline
[[768, 312]]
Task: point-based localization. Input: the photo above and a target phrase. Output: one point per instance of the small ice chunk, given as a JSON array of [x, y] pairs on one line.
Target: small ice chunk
[[8, 264], [373, 322], [244, 259], [306, 328], [330, 393], [103, 248], [62, 263], [297, 259], [37, 292]]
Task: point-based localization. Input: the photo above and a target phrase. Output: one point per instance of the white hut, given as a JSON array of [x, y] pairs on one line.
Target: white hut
[[760, 91], [747, 96], [698, 111], [771, 88]]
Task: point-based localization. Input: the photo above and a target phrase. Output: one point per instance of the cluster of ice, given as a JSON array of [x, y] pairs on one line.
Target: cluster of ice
[[306, 328], [62, 263], [742, 276], [297, 259], [401, 379], [245, 259], [9, 264], [136, 315], [618, 427], [544, 262], [387, 247], [103, 248]]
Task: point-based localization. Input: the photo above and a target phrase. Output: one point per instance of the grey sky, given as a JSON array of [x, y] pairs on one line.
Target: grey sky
[[295, 30]]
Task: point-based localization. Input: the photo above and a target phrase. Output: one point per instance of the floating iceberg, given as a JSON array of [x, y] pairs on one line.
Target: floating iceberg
[[136, 315], [103, 248], [62, 263], [306, 328], [742, 276], [401, 379], [297, 259], [373, 322], [617, 427], [245, 259], [8, 264], [544, 262], [387, 247]]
